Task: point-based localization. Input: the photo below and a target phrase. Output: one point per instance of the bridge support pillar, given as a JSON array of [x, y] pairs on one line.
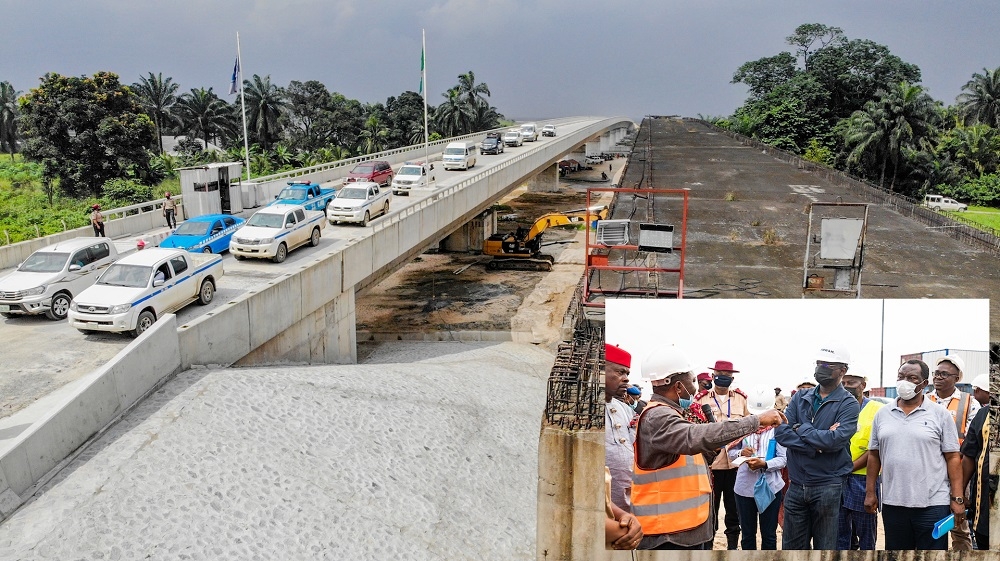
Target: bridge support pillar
[[470, 236], [546, 181], [593, 147]]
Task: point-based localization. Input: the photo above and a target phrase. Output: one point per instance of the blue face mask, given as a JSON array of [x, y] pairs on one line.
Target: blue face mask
[[685, 403]]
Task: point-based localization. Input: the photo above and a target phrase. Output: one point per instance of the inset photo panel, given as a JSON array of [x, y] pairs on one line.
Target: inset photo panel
[[798, 424]]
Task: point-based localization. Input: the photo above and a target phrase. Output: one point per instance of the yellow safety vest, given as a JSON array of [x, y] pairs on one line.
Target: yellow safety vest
[[859, 442], [673, 498]]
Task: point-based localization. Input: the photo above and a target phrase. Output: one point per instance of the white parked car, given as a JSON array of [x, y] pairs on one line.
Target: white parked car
[[277, 229], [593, 160], [937, 202], [48, 280], [359, 202], [141, 287], [411, 175]]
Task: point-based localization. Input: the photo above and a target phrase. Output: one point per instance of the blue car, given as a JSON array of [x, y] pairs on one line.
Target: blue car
[[204, 234]]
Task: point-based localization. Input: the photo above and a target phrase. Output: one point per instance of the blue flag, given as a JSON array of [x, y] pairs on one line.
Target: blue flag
[[236, 73]]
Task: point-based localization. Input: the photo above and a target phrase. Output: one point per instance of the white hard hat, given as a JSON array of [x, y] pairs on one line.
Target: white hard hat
[[982, 382], [663, 363], [834, 352], [857, 375], [956, 360], [760, 399]]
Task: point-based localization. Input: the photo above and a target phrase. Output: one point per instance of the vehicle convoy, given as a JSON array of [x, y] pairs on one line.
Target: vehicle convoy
[[492, 144], [141, 287], [359, 202], [306, 193], [412, 175], [204, 234], [521, 249], [378, 171], [529, 132], [459, 155], [48, 280], [275, 230], [513, 138], [939, 203], [549, 130]]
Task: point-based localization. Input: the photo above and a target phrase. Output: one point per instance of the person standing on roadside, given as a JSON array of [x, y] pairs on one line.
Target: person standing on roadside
[[914, 445], [856, 526], [821, 422], [671, 491], [170, 210], [963, 408], [726, 404], [97, 220]]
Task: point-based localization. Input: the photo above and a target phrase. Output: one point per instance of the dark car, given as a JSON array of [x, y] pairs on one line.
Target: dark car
[[492, 144], [376, 171]]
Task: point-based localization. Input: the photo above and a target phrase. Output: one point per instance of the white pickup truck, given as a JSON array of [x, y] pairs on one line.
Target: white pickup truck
[[143, 286], [49, 278], [359, 202], [275, 230]]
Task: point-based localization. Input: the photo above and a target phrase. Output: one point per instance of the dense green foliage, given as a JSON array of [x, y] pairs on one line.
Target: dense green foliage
[[852, 104]]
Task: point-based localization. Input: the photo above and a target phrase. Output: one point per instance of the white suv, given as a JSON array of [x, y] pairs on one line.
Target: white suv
[[937, 202]]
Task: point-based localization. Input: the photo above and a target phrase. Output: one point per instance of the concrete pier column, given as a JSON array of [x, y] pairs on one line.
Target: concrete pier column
[[546, 181], [471, 235], [606, 142], [592, 148]]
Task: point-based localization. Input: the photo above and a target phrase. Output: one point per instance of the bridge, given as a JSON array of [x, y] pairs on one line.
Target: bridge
[[303, 311]]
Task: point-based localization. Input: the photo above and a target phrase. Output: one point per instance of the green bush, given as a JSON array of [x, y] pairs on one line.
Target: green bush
[[125, 192]]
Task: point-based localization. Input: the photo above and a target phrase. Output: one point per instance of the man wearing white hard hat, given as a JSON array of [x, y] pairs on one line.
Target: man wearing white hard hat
[[981, 389], [821, 422], [758, 478], [856, 526], [671, 490], [963, 408]]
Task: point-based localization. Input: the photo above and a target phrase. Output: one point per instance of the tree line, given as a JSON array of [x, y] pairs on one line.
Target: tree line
[[88, 130], [853, 105]]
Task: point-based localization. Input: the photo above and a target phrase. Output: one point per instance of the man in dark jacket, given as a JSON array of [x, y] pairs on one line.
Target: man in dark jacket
[[821, 422]]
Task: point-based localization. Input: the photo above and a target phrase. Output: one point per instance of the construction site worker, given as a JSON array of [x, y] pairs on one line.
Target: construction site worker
[[619, 434], [726, 403], [856, 528], [821, 422], [671, 489], [963, 408], [981, 389]]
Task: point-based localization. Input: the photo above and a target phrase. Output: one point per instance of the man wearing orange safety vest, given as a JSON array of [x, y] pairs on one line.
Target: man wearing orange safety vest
[[671, 490], [963, 408]]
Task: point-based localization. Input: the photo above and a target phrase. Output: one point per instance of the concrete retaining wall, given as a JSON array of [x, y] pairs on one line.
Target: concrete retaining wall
[[97, 400], [124, 225]]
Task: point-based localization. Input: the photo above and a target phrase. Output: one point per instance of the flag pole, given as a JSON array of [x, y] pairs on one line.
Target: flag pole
[[423, 83], [243, 104]]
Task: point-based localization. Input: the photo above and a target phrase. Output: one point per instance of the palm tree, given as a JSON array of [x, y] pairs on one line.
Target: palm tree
[[454, 116], [8, 118], [265, 105], [203, 113], [374, 136], [471, 92], [900, 119], [980, 100], [157, 97]]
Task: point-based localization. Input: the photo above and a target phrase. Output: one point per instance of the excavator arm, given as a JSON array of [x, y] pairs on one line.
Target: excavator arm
[[562, 218]]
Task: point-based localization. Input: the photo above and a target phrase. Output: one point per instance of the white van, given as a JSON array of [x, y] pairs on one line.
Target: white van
[[460, 155], [529, 132]]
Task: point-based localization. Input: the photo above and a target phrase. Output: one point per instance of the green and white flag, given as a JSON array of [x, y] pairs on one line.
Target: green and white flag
[[421, 89]]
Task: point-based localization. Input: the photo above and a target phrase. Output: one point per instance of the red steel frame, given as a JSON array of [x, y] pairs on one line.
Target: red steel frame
[[587, 292]]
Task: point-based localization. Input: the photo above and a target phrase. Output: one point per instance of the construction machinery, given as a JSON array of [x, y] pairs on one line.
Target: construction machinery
[[521, 249]]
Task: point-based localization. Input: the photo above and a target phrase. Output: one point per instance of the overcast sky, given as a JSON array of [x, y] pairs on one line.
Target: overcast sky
[[773, 342], [540, 58]]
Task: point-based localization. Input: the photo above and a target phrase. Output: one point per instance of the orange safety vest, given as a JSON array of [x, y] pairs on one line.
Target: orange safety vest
[[960, 411], [673, 498]]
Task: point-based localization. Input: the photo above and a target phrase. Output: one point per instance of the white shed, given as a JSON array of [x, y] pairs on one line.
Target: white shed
[[212, 189]]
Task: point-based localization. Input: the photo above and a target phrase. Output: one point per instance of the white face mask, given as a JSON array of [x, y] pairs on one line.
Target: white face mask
[[906, 389]]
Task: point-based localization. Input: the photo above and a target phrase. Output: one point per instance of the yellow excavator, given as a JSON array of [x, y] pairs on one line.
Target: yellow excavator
[[521, 249]]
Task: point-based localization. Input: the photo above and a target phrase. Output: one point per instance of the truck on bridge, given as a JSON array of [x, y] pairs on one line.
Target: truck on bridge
[[306, 193]]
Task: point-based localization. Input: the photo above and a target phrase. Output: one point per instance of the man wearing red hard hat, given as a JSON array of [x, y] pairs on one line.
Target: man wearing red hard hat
[[622, 531]]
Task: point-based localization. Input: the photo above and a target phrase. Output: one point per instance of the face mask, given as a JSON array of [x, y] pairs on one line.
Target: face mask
[[723, 381], [684, 402], [824, 375], [906, 389], [856, 392], [706, 385]]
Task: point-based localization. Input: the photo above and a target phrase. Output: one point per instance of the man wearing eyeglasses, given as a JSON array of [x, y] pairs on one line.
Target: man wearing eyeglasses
[[963, 408], [914, 444]]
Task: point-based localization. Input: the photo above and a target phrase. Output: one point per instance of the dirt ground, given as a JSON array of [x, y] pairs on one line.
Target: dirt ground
[[441, 291]]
